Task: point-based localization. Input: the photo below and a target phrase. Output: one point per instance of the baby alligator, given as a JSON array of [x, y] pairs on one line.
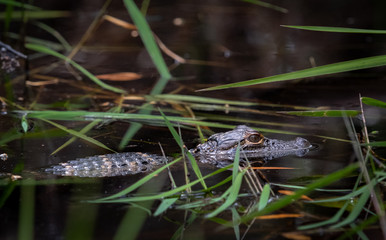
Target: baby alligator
[[219, 150]]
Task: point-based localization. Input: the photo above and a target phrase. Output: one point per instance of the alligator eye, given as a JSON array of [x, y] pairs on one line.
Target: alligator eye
[[255, 138]]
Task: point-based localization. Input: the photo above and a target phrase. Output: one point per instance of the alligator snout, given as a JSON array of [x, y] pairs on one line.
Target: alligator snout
[[302, 143]]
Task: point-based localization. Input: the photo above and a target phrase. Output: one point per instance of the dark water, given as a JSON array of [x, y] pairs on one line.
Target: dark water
[[237, 41]]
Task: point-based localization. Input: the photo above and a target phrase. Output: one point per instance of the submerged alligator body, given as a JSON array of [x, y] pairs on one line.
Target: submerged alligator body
[[219, 150]]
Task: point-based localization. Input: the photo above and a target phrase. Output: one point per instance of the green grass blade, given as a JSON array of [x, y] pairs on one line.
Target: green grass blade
[[233, 194], [332, 220], [336, 29], [289, 199], [236, 164], [357, 209], [79, 135], [153, 197], [373, 102], [138, 183], [324, 113], [264, 197], [165, 204], [339, 67], [147, 38], [43, 49], [375, 144], [206, 100], [82, 131], [177, 138], [54, 33], [349, 196]]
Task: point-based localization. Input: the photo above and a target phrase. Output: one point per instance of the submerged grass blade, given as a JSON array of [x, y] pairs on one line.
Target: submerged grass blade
[[79, 135], [147, 38], [339, 67], [336, 29], [71, 140], [324, 113], [43, 49], [165, 204], [267, 5]]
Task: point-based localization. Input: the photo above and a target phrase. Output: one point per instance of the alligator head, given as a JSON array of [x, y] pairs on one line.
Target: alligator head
[[220, 148]]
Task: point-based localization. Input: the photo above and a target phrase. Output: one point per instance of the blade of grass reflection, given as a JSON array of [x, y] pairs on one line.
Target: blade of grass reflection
[[236, 222], [179, 233], [135, 217], [79, 135], [27, 211], [134, 127], [43, 49], [147, 38], [81, 217]]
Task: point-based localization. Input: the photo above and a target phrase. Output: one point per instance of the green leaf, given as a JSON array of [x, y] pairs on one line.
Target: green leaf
[[373, 102], [375, 144], [339, 67], [43, 49], [324, 113], [24, 124], [147, 38], [336, 29]]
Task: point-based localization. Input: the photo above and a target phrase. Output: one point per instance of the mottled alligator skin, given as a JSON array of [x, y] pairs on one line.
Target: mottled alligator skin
[[219, 150]]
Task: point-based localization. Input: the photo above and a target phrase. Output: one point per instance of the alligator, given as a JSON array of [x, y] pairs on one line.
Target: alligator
[[219, 150]]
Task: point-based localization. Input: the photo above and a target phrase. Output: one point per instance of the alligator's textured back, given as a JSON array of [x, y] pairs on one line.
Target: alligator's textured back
[[108, 165]]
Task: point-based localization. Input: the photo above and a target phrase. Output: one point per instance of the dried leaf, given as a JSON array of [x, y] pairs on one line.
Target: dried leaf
[[282, 215], [295, 236], [121, 76], [288, 192]]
